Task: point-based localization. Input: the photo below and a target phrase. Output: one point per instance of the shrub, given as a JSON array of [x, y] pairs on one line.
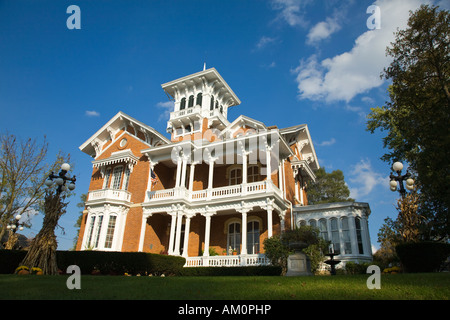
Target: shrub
[[423, 256], [356, 268]]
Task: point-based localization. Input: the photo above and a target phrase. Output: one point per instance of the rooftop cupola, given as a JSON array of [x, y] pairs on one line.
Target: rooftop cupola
[[199, 96]]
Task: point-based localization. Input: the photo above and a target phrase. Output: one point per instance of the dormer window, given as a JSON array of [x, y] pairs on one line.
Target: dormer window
[[183, 104]]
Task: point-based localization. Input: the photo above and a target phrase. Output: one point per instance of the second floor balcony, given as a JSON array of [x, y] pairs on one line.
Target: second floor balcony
[[234, 191], [108, 195]]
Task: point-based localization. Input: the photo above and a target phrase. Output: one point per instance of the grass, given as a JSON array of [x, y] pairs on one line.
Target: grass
[[430, 286]]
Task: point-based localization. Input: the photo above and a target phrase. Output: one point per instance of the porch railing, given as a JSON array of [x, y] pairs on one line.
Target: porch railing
[[228, 261], [215, 193], [112, 194]]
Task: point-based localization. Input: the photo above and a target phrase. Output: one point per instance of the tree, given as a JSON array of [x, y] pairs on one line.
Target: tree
[[417, 116], [77, 225], [328, 187], [23, 170]]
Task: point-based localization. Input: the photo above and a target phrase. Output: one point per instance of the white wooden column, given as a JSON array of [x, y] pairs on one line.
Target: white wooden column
[[208, 216], [151, 168], [191, 176], [269, 171], [177, 181], [211, 173], [172, 232], [183, 172], [187, 227], [244, 231], [269, 220], [142, 234], [176, 251]]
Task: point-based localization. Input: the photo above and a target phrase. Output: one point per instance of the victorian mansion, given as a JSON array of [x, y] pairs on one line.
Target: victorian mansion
[[214, 190]]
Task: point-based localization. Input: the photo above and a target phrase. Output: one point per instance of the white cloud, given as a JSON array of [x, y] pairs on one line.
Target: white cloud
[[92, 113], [344, 76], [363, 179], [323, 30], [291, 11], [264, 41], [326, 143], [167, 107]]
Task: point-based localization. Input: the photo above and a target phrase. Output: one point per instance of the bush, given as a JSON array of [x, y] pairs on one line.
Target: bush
[[356, 268], [105, 262], [424, 256]]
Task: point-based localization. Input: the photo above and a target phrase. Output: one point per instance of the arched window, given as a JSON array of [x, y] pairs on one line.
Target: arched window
[[313, 223], [235, 176], [91, 231], [335, 236], [199, 98], [323, 229], [126, 178], [234, 237], [110, 231], [252, 174], [98, 231], [191, 101], [217, 104], [346, 236], [211, 107], [183, 104], [302, 223], [253, 237], [359, 235]]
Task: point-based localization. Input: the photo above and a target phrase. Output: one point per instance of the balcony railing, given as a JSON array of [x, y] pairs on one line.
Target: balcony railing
[[228, 261], [212, 194], [109, 194]]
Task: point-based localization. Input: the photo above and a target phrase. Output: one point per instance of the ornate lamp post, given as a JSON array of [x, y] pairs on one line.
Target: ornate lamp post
[[42, 252], [399, 179], [60, 179], [12, 228]]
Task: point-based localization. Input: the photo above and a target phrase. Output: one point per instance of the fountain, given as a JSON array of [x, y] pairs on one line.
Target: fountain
[[332, 262]]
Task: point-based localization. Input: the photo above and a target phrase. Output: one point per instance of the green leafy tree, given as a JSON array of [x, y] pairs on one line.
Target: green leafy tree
[[328, 187], [77, 225], [417, 117]]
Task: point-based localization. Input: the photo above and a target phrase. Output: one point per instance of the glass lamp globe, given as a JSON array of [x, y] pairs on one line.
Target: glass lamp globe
[[397, 166], [59, 181], [393, 184], [21, 228], [393, 189], [8, 227], [63, 188], [409, 187], [18, 217], [48, 183], [71, 186], [409, 182], [65, 167]]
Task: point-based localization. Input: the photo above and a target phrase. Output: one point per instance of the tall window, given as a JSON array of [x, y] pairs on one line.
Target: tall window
[[99, 229], [191, 101], [211, 107], [91, 231], [126, 178], [107, 178], [117, 177], [323, 229], [234, 237], [346, 236], [359, 235], [183, 104], [235, 176], [335, 236], [253, 237], [110, 231], [313, 223], [199, 99], [252, 173]]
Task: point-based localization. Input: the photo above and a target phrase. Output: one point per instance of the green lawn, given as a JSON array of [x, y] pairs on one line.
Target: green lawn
[[399, 286]]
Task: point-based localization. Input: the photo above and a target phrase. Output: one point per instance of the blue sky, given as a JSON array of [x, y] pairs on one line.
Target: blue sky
[[289, 61]]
